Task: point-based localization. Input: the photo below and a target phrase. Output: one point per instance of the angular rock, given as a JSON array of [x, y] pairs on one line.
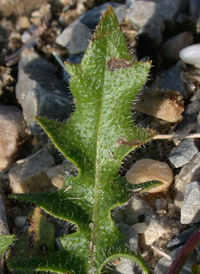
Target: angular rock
[[147, 170], [29, 174], [183, 153], [160, 103], [170, 49], [194, 8], [154, 28], [190, 209], [91, 18], [140, 13], [40, 92], [75, 37], [183, 236], [189, 120], [170, 79], [188, 174], [12, 130]]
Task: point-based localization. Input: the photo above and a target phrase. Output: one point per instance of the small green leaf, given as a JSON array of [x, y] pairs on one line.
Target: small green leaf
[[96, 138], [5, 242]]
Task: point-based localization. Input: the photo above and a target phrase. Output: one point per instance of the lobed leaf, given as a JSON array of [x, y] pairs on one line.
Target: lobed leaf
[[95, 138]]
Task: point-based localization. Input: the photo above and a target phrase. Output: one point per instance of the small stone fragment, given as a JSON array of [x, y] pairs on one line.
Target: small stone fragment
[[189, 120], [183, 153], [171, 79], [20, 221], [12, 130], [22, 23], [75, 37], [171, 48], [140, 227], [191, 54], [190, 210], [189, 173], [160, 103], [147, 170], [29, 175]]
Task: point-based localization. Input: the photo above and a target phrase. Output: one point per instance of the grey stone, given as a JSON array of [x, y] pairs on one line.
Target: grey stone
[[29, 174], [189, 173], [183, 153], [91, 18], [189, 120], [171, 79], [140, 13], [75, 37], [170, 49], [190, 210], [40, 92], [182, 237], [126, 266], [194, 8], [154, 27], [131, 236]]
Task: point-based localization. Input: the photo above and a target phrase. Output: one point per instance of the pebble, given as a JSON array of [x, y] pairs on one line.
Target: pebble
[[125, 266], [189, 120], [160, 103], [22, 23], [91, 18], [12, 130], [191, 54], [40, 92], [75, 37], [20, 221], [154, 28], [183, 153], [189, 173], [29, 174], [170, 49], [147, 170], [131, 236], [171, 79], [194, 9], [57, 174], [190, 209], [140, 13], [183, 236]]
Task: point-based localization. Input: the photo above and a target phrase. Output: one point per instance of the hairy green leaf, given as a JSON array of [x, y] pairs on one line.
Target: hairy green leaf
[[95, 138], [5, 242]]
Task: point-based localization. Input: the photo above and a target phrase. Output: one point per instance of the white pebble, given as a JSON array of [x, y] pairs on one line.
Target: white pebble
[[191, 54]]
